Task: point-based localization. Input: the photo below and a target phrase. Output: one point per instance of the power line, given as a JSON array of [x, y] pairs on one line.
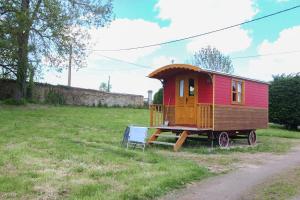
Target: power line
[[114, 69], [239, 57], [201, 34], [123, 61], [269, 54]]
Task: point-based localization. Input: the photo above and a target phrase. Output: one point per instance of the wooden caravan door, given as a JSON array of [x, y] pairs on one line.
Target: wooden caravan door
[[186, 98]]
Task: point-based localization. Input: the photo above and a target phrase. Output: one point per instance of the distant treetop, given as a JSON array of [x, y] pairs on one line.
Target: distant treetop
[[213, 59]]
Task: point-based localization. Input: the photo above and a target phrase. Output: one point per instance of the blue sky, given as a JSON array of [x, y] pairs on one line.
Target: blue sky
[[138, 9], [142, 22]]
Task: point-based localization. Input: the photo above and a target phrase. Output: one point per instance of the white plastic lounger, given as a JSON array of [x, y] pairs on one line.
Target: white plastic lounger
[[135, 136]]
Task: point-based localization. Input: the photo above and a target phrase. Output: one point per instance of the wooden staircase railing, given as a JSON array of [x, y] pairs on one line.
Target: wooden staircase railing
[[156, 115], [204, 115], [180, 139]]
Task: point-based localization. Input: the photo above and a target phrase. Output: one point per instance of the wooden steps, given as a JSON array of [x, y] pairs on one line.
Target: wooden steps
[[176, 146], [163, 143], [167, 136]]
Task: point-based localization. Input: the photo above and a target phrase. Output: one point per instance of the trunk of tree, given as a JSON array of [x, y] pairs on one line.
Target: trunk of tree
[[30, 83], [22, 68], [23, 38]]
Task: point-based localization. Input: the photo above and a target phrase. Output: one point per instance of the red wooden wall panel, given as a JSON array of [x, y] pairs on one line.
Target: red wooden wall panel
[[205, 89], [256, 94], [222, 90], [169, 91]]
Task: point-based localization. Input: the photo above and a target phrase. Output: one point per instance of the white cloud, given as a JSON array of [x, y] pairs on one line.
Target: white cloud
[[179, 11], [235, 40], [186, 18], [264, 67], [193, 17], [124, 33], [163, 60], [130, 81]]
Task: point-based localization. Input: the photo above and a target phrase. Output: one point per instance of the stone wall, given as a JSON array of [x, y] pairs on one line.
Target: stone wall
[[73, 95]]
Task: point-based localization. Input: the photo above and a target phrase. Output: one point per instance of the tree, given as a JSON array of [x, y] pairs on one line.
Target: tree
[[104, 87], [284, 96], [158, 97], [42, 33], [213, 59]]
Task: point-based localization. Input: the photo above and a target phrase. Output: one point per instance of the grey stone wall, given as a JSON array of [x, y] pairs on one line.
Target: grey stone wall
[[73, 95]]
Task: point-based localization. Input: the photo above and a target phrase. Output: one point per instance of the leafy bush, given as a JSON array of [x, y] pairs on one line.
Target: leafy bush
[[285, 100], [15, 102], [158, 97], [54, 97], [33, 101], [100, 104]]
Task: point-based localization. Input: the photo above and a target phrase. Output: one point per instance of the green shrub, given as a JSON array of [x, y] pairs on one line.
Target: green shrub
[[15, 102], [285, 100], [33, 101], [102, 105], [158, 97], [54, 97]]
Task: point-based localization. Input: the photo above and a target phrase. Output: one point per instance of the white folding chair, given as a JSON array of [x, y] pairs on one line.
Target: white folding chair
[[135, 136]]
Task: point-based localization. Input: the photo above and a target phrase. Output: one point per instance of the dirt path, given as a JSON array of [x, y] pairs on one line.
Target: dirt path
[[235, 184], [296, 198]]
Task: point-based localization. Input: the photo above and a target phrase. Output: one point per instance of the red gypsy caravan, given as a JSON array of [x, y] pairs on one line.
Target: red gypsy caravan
[[205, 102]]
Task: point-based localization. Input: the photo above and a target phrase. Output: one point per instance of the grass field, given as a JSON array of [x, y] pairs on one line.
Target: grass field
[[281, 187], [75, 153]]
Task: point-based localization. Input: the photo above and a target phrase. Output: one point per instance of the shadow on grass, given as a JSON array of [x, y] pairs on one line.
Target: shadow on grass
[[201, 145]]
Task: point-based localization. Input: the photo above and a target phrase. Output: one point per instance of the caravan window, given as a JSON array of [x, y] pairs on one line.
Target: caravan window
[[181, 88], [191, 87], [237, 90]]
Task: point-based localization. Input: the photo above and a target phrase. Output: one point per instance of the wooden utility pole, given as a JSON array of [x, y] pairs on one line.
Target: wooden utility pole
[[70, 66], [108, 84]]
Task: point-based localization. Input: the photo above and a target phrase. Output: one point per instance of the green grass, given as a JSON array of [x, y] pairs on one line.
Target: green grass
[[264, 144], [75, 153], [274, 139], [281, 187], [279, 131]]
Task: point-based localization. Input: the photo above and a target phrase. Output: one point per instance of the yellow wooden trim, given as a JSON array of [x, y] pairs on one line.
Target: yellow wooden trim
[[196, 90], [178, 101], [204, 115], [160, 70], [241, 106], [243, 91], [151, 116], [204, 104], [180, 140], [154, 136], [176, 90], [156, 114], [213, 104]]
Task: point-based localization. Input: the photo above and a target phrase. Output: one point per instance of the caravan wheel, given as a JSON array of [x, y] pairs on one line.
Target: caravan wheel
[[223, 140], [252, 138]]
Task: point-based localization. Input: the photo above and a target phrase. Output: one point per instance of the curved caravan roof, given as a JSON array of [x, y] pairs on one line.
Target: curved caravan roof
[[172, 69], [168, 70]]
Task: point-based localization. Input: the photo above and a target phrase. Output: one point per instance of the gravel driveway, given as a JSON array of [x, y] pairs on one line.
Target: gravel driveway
[[236, 184]]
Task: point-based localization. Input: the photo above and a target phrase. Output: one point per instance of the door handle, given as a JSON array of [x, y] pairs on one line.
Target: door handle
[[186, 99]]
